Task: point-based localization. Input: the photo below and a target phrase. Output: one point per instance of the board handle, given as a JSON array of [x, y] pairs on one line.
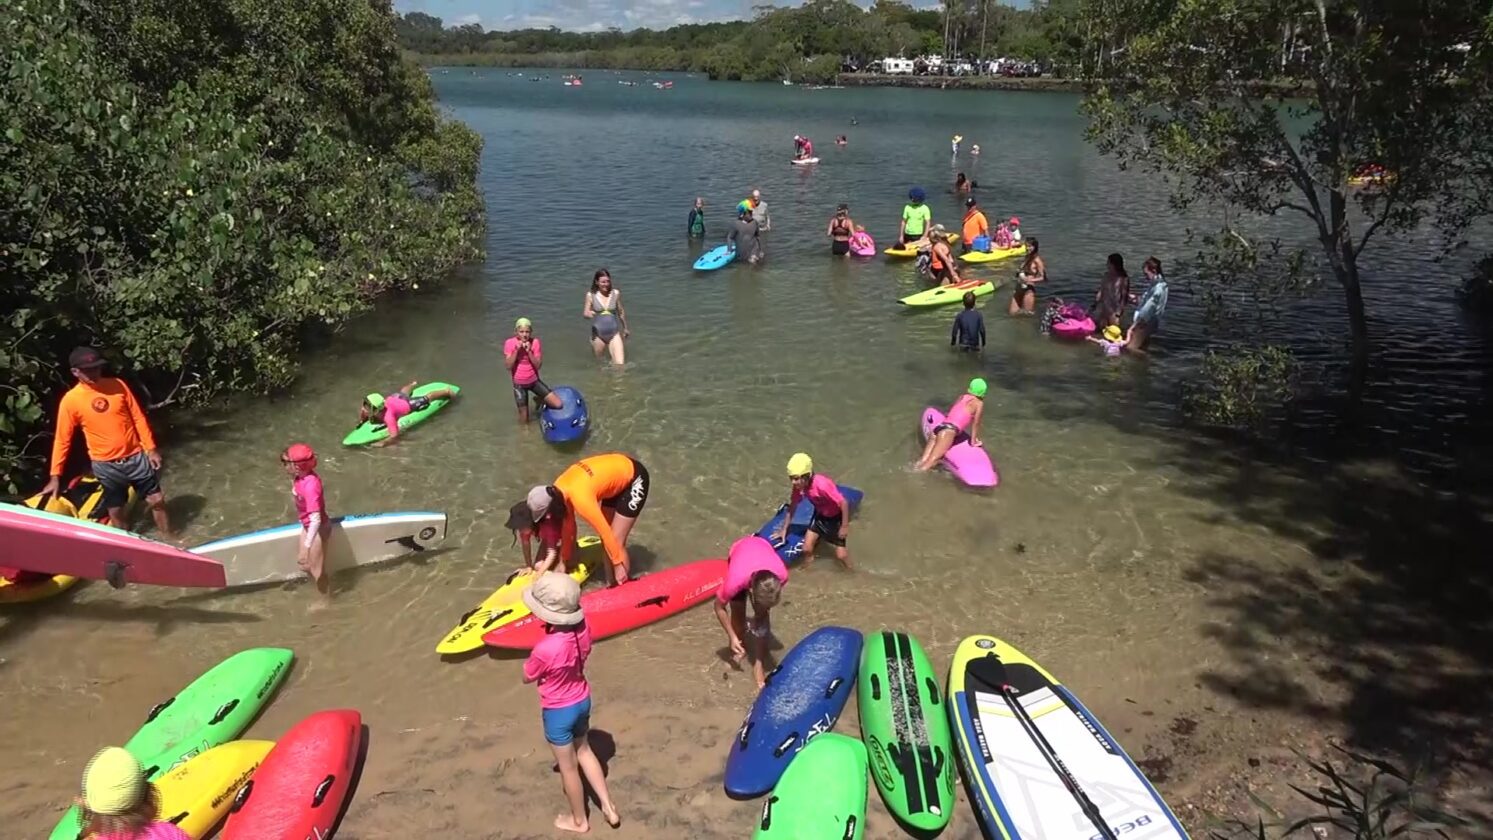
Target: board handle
[[875, 687], [782, 748], [322, 790], [223, 711], [850, 825], [466, 616], [176, 820], [767, 812], [655, 601], [932, 690], [156, 710], [495, 617], [745, 733], [834, 685], [241, 797]]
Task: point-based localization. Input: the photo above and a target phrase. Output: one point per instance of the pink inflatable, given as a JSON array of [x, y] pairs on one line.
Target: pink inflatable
[[862, 245], [1073, 329], [970, 464]]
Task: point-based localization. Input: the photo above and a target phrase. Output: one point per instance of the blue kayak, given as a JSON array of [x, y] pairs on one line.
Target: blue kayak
[[570, 421], [803, 698], [715, 258], [793, 545]]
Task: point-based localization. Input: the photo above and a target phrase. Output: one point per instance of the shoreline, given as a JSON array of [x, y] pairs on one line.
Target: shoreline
[[1040, 84]]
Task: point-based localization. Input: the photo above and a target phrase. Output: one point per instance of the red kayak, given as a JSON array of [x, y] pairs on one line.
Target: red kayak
[[641, 601], [298, 791]]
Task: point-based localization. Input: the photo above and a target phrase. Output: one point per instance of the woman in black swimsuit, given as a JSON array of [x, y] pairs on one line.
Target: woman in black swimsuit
[[839, 231], [1033, 271]]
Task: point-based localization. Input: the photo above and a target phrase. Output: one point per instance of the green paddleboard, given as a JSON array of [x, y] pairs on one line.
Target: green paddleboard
[[214, 709], [821, 796], [905, 723], [368, 432], [944, 295]]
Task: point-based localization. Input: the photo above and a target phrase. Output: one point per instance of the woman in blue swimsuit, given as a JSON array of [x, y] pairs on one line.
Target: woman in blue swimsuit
[[608, 322]]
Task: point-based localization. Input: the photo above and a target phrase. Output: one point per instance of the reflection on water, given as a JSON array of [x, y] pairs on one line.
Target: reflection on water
[[1079, 557]]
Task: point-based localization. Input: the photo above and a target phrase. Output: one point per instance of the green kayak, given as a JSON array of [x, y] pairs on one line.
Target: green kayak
[[943, 295], [822, 795], [368, 432], [905, 724], [215, 709]]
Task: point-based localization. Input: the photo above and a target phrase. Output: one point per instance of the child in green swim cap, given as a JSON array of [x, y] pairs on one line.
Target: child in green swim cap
[[963, 417]]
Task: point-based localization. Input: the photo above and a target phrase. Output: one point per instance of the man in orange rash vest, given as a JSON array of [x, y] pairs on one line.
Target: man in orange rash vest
[[608, 491]]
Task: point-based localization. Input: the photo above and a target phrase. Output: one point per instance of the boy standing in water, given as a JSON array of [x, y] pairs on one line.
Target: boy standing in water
[[299, 461], [697, 219], [831, 514], [969, 327]]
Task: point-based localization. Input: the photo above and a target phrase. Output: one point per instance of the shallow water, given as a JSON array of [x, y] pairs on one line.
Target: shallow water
[[1085, 557]]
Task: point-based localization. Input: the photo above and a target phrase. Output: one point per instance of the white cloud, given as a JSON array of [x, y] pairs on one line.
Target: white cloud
[[467, 19]]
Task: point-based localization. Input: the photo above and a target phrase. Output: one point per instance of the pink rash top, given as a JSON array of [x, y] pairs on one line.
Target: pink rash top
[[824, 495], [558, 662], [159, 830], [523, 369], [395, 407], [308, 498], [960, 414], [747, 557]]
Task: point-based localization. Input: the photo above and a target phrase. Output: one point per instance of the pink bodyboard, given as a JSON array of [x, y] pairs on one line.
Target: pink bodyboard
[[1073, 330], [970, 464]]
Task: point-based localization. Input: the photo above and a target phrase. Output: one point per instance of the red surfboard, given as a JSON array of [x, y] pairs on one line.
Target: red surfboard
[[298, 791], [38, 541], [647, 599]]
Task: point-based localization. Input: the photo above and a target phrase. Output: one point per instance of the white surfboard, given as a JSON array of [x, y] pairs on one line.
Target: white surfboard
[[804, 161], [270, 555]]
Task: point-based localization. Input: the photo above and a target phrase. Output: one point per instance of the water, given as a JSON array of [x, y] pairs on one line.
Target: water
[[1105, 553]]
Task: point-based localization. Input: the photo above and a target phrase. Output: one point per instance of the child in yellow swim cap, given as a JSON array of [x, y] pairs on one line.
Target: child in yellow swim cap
[[831, 521]]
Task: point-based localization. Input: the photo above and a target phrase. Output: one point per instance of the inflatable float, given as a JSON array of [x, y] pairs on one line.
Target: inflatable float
[[969, 463], [863, 245]]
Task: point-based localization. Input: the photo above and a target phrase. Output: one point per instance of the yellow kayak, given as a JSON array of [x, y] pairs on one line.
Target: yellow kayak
[[504, 606], [196, 794], [993, 254], [83, 499], [894, 251]]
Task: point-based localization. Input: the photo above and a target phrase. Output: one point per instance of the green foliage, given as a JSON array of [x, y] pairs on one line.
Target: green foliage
[[1241, 387], [190, 187], [1389, 803], [1389, 84], [804, 43]]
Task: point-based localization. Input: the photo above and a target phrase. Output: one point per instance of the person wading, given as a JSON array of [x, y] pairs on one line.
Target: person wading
[[120, 443]]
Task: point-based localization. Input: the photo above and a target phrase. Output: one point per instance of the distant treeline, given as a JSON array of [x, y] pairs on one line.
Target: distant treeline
[[810, 43]]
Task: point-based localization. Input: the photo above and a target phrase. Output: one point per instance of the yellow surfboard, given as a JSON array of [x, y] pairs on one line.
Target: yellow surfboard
[[993, 254], [196, 794], [894, 251], [82, 499], [504, 605]]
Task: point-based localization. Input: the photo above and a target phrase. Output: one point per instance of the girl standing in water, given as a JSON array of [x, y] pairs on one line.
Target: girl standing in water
[[1033, 271], [841, 228], [1113, 294], [1147, 318], [608, 322]]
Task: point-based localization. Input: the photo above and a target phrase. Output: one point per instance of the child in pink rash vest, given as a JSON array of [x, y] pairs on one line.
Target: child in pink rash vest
[[831, 520], [388, 409], [311, 508], [754, 571]]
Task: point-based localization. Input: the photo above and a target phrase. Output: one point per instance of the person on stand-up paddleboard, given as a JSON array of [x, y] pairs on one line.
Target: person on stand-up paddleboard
[[299, 461], [609, 492], [754, 571], [697, 219], [119, 440], [388, 409], [745, 236], [522, 355], [831, 521], [603, 308], [557, 666], [119, 804], [916, 217], [964, 416]]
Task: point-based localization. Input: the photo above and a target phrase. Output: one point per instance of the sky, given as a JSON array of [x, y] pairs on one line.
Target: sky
[[588, 15]]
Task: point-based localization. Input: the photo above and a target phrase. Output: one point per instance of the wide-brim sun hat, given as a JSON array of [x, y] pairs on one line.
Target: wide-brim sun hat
[[555, 599], [1113, 333], [113, 783]]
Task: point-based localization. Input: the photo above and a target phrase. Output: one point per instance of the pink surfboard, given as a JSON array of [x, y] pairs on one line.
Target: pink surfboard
[[869, 249], [970, 464], [38, 541]]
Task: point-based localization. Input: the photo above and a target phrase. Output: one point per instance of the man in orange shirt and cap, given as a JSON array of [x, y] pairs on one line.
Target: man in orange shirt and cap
[[119, 440]]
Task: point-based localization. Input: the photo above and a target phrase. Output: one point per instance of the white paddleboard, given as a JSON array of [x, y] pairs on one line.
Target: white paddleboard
[[1017, 792], [804, 161], [270, 555]]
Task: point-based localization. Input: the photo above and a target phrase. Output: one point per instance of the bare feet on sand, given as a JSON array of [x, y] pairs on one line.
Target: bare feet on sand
[[613, 818], [566, 822]]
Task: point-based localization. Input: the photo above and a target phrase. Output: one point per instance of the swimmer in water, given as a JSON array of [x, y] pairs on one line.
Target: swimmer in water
[[842, 140], [975, 150], [603, 308]]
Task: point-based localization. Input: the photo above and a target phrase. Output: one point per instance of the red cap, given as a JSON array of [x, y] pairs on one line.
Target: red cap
[[299, 454]]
